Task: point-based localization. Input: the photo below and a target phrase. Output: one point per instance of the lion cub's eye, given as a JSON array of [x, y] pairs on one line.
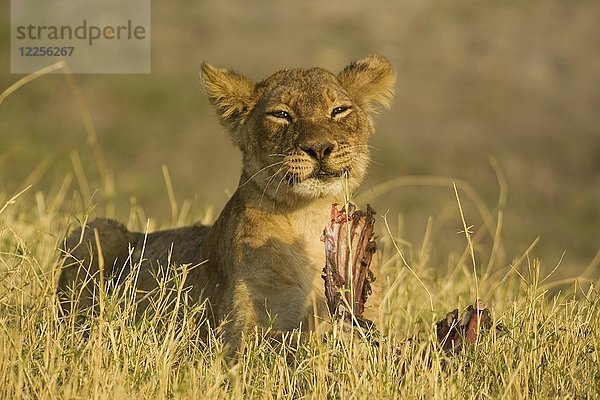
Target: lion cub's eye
[[280, 114], [339, 110]]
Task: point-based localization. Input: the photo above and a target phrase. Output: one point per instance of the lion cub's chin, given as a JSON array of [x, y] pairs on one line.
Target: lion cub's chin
[[316, 188]]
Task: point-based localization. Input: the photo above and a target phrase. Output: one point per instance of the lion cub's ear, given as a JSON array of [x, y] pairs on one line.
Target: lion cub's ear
[[230, 93], [370, 82]]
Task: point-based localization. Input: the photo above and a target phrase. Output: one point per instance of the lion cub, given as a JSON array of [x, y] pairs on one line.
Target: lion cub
[[303, 136]]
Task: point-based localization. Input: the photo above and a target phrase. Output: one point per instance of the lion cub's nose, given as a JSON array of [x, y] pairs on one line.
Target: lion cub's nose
[[318, 150]]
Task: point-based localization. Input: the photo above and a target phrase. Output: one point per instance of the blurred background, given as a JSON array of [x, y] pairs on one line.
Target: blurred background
[[485, 91]]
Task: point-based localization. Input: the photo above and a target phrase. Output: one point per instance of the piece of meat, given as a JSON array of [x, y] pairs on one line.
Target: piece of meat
[[349, 249], [453, 332]]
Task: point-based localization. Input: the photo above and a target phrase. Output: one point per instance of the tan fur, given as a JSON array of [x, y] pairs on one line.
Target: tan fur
[[264, 258]]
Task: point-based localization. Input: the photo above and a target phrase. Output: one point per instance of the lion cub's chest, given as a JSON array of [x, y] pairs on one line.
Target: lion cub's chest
[[308, 227], [279, 261]]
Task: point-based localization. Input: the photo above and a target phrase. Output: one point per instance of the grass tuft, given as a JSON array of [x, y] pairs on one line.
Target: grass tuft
[[551, 348]]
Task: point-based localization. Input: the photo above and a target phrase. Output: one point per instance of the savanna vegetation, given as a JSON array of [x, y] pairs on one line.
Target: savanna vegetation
[[499, 99]]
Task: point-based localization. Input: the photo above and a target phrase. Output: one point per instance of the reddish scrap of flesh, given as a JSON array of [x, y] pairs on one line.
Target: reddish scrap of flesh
[[349, 249]]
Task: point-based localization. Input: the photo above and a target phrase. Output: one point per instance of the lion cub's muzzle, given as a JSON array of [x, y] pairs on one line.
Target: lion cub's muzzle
[[321, 160]]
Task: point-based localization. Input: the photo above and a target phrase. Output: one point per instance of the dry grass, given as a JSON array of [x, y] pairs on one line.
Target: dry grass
[[551, 350], [514, 80]]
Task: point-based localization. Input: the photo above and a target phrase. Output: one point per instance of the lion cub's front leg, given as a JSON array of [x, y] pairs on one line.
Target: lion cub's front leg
[[271, 319], [275, 288]]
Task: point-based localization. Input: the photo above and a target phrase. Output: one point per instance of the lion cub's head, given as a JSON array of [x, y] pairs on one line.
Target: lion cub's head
[[303, 132]]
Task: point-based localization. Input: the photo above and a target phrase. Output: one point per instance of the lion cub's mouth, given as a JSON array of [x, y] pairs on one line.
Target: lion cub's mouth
[[329, 175], [311, 176], [319, 174]]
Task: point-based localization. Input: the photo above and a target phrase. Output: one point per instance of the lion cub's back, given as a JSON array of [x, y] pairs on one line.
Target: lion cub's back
[[154, 253], [172, 246]]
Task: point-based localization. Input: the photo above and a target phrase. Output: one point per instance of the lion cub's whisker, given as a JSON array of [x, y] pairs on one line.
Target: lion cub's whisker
[[270, 181], [359, 146], [281, 181], [259, 171]]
